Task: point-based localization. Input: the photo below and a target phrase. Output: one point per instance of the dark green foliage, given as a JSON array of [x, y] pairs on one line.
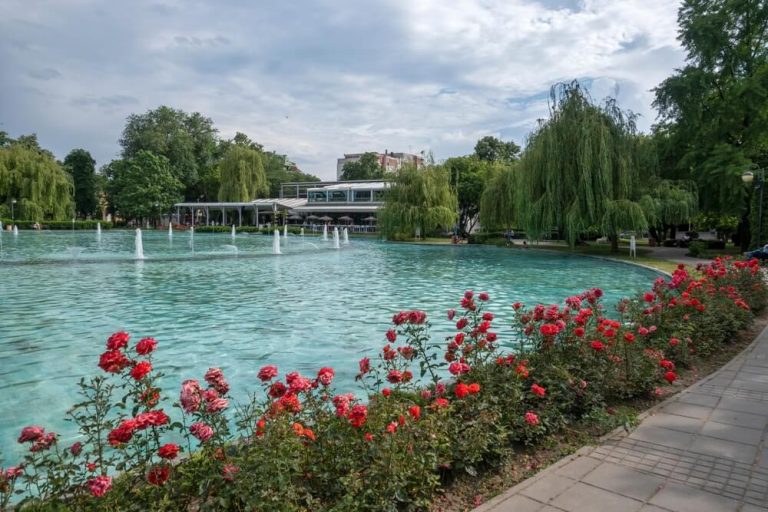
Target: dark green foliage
[[367, 168], [30, 175], [187, 140], [715, 109], [580, 169], [82, 167], [242, 175], [490, 149], [142, 186], [419, 200]]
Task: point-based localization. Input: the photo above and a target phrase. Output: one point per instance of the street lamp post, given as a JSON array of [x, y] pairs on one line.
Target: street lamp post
[[13, 213], [748, 177]]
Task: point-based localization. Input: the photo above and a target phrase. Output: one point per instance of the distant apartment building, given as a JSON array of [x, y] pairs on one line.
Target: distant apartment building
[[389, 161]]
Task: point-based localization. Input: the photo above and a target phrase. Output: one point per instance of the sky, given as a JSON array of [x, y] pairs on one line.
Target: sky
[[317, 79]]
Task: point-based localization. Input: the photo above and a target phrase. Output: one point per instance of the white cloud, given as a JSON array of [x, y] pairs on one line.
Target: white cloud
[[317, 79]]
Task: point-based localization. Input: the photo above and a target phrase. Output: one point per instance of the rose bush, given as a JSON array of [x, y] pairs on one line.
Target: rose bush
[[427, 410]]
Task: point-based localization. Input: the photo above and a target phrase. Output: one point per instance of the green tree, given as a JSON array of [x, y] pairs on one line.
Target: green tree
[[188, 141], [715, 109], [667, 204], [579, 169], [280, 170], [39, 184], [469, 175], [367, 168], [491, 149], [142, 187], [242, 174], [499, 201], [82, 167], [419, 201]]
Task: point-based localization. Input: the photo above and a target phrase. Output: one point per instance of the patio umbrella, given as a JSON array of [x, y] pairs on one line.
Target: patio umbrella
[[312, 217], [346, 219], [295, 217], [325, 218], [370, 219]]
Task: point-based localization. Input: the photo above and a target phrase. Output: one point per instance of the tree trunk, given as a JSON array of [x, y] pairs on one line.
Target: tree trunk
[[614, 243]]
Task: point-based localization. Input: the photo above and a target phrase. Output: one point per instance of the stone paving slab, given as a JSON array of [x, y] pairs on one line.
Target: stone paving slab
[[703, 450]]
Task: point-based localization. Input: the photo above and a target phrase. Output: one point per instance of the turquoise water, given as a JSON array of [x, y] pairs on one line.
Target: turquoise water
[[208, 305]]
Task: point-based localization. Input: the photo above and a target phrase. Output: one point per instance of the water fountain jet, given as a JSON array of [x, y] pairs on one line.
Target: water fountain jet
[[325, 232], [276, 243], [346, 236], [336, 238], [139, 245]]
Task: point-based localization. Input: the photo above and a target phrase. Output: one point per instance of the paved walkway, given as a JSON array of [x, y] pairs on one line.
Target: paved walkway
[[674, 254], [703, 450]]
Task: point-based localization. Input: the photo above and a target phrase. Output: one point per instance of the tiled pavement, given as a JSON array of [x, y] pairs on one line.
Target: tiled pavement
[[704, 450]]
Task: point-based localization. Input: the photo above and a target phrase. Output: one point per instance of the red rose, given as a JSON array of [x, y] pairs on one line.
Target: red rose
[[229, 471], [391, 335], [277, 390], [325, 376], [469, 294], [118, 340], [215, 378], [141, 370], [168, 451], [146, 346], [122, 433], [113, 361], [473, 388], [629, 337], [667, 364], [579, 332], [457, 368], [76, 448], [597, 346], [268, 373], [461, 390], [357, 415], [483, 296], [386, 392], [201, 431], [670, 377], [531, 418], [365, 365], [462, 323], [415, 412], [451, 314], [158, 475], [394, 376], [538, 390], [100, 485], [31, 434]]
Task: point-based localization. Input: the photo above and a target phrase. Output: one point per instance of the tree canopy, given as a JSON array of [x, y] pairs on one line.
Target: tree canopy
[[468, 174], [187, 141], [579, 169], [499, 201], [82, 167], [418, 201], [143, 186], [31, 176], [242, 174], [491, 149], [715, 109], [367, 168]]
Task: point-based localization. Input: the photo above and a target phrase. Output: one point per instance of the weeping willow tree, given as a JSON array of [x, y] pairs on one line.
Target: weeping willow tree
[[41, 187], [419, 201], [242, 175], [579, 169], [668, 203], [499, 202]]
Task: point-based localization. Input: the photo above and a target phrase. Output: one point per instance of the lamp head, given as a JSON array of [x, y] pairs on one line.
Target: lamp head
[[748, 177]]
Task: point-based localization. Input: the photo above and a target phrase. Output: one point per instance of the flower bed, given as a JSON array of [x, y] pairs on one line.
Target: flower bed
[[301, 445]]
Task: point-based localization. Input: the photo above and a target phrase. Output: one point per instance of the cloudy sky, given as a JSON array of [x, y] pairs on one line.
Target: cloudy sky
[[316, 79]]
